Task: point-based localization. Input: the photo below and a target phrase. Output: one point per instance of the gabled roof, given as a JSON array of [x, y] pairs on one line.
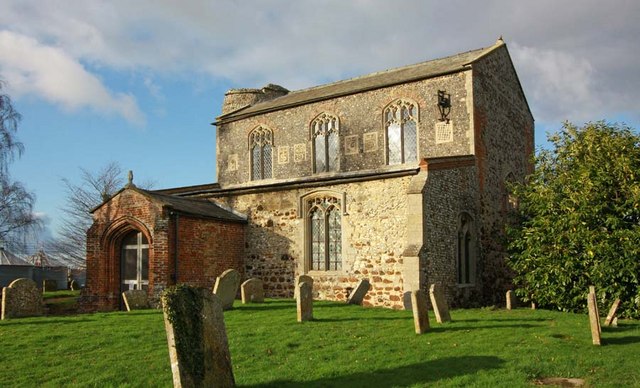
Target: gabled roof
[[420, 71], [196, 207], [187, 206], [8, 258]]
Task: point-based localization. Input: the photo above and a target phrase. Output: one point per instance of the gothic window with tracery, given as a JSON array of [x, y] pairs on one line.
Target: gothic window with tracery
[[324, 136], [261, 148], [466, 250], [325, 233], [401, 131]]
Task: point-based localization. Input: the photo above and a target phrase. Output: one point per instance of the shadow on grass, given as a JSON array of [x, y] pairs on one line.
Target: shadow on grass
[[448, 327], [262, 307], [621, 341], [420, 373], [505, 320], [316, 319], [44, 322]]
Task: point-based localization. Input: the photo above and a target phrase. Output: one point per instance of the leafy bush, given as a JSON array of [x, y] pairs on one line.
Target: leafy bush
[[578, 221]]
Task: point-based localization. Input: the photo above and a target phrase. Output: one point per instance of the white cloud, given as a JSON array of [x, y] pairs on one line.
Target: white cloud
[[576, 59], [561, 85], [49, 72]]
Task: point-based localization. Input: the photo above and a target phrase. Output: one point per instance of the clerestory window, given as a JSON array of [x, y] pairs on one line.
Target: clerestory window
[[261, 148], [324, 222], [401, 131], [324, 135]]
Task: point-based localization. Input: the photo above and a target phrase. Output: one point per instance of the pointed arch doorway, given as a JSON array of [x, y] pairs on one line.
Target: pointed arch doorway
[[134, 262]]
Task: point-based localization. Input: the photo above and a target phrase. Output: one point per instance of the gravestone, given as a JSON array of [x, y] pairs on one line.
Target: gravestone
[[440, 307], [512, 300], [21, 298], [592, 290], [420, 311], [594, 318], [73, 285], [358, 294], [612, 313], [300, 279], [304, 302], [49, 285], [226, 287], [135, 300], [252, 291], [614, 322], [197, 338]]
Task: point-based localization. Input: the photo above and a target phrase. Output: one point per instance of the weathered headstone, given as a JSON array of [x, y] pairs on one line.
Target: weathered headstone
[[226, 287], [73, 285], [304, 302], [440, 307], [21, 298], [300, 279], [49, 285], [252, 291], [357, 295], [594, 318], [592, 290], [512, 300], [197, 338], [135, 300], [420, 311], [612, 312], [614, 322]]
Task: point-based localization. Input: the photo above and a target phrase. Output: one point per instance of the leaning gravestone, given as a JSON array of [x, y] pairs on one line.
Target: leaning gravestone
[[226, 287], [594, 318], [21, 299], [612, 313], [135, 299], [592, 290], [300, 279], [49, 285], [440, 307], [197, 338], [73, 286], [252, 291], [358, 294], [512, 300], [420, 311], [304, 302]]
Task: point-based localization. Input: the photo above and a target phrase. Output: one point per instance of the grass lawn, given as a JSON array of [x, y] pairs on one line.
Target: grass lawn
[[62, 302], [346, 346]]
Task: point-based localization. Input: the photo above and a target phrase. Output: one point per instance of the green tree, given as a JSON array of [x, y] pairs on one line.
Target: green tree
[[579, 215]]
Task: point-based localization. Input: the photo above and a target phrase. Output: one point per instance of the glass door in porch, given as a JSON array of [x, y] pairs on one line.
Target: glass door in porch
[[135, 262]]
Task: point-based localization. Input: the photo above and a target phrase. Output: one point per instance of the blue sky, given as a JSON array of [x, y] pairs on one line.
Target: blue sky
[[140, 82]]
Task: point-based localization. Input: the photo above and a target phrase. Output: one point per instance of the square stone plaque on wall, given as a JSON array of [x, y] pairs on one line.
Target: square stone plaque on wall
[[370, 141], [351, 145], [232, 162], [283, 154], [444, 132], [299, 152]]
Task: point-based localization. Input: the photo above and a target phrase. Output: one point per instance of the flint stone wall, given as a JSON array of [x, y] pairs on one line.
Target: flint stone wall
[[373, 234]]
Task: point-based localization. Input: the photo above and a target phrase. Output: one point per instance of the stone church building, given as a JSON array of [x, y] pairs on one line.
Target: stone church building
[[398, 177]]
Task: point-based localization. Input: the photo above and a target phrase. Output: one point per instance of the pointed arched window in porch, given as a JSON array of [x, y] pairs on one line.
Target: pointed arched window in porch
[[134, 260]]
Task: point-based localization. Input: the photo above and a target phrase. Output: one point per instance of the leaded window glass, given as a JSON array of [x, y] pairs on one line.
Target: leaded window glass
[[261, 146], [324, 133], [400, 121], [325, 234]]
